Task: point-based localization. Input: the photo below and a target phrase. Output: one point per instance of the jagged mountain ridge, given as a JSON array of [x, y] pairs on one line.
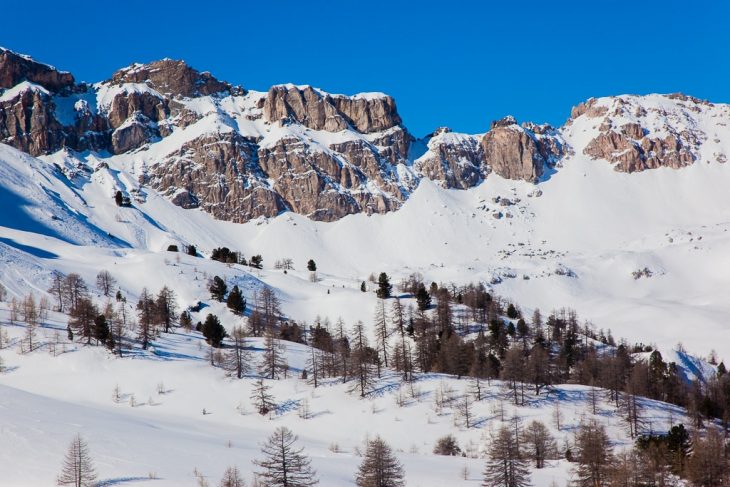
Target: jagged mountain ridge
[[240, 154]]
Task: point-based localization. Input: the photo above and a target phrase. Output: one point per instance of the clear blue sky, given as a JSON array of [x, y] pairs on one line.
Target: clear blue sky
[[454, 63]]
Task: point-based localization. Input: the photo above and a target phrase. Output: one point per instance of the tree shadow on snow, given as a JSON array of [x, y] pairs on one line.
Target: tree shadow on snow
[[121, 480]]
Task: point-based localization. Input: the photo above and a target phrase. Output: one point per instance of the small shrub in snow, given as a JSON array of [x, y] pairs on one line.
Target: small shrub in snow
[[447, 446]]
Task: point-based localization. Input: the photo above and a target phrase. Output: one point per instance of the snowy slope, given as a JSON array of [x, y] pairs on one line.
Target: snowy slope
[[45, 400], [600, 224], [578, 239]]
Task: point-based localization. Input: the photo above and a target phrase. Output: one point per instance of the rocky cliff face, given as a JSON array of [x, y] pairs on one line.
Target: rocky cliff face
[[457, 160], [521, 151], [27, 119], [365, 113], [16, 68], [641, 133], [241, 154], [171, 78]]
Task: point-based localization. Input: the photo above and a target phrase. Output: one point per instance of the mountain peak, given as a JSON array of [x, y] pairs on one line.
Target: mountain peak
[[171, 77], [640, 132], [15, 68]]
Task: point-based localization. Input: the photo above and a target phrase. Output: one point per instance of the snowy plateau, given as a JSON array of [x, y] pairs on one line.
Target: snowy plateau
[[642, 253]]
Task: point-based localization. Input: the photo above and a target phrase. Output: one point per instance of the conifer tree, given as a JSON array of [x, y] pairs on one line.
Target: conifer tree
[[283, 463], [506, 466], [238, 360], [540, 445], [166, 308], [213, 331], [105, 282], [311, 265], [256, 261], [186, 321], [235, 301], [273, 362], [380, 467], [101, 329], [78, 467], [268, 304], [82, 317], [422, 297], [217, 288], [381, 329], [708, 465], [342, 350], [361, 365], [464, 408], [145, 317], [56, 290], [313, 365], [593, 454], [261, 398], [447, 446], [232, 478], [397, 316], [73, 289], [384, 286], [119, 328]]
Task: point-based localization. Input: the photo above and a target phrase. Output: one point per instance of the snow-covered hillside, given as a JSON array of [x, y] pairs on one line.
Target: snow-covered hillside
[[575, 239], [187, 416], [622, 214]]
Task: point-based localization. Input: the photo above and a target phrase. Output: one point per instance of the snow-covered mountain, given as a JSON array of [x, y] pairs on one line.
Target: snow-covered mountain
[[622, 214]]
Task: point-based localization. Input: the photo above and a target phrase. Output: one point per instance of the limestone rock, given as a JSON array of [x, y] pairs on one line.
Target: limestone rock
[[318, 184], [589, 108], [656, 135], [368, 113], [15, 68], [321, 111], [521, 152], [454, 160], [28, 124], [133, 134], [303, 105], [171, 78], [216, 172], [126, 105]]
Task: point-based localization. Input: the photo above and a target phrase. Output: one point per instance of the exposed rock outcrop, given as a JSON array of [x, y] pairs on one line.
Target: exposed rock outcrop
[[27, 121], [589, 108], [321, 111], [318, 184], [15, 68], [521, 152], [216, 172], [171, 78], [635, 137], [368, 112], [303, 105], [135, 132], [455, 160], [241, 155], [631, 154]]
